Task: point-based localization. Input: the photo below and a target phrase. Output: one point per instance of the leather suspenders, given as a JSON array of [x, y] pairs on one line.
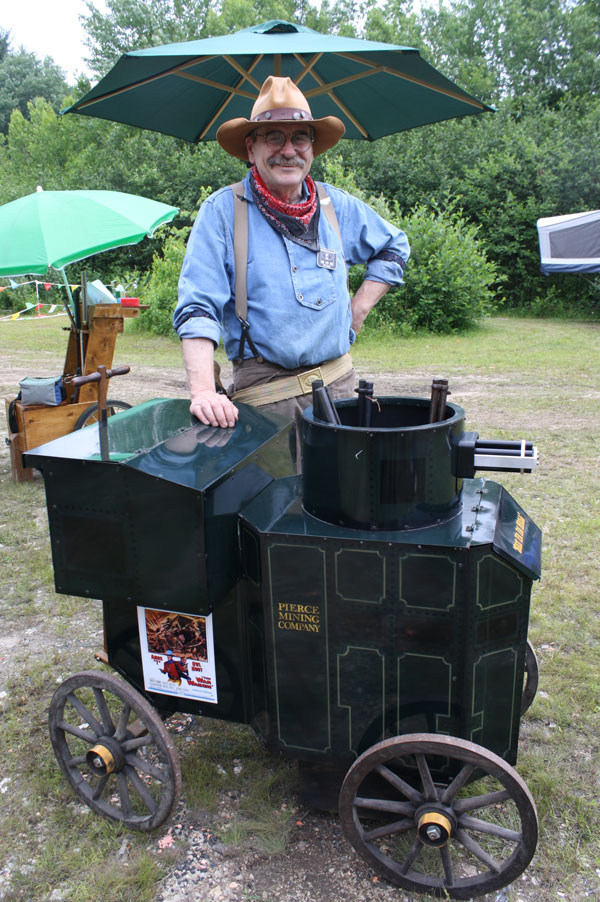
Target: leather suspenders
[[240, 254]]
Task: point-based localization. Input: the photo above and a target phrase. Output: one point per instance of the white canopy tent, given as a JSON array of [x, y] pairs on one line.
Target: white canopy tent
[[570, 243]]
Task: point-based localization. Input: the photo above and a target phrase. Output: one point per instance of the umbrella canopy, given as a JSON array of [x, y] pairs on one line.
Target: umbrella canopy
[[54, 228], [188, 90]]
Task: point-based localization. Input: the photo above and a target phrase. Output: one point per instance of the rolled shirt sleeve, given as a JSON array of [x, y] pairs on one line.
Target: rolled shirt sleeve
[[207, 274], [370, 239]]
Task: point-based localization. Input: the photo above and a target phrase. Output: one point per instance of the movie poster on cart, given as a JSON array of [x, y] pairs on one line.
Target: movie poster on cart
[[178, 656]]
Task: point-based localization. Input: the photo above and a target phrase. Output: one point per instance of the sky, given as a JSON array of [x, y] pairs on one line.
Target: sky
[[49, 28]]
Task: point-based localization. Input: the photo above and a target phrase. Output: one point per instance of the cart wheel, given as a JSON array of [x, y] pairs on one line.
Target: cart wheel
[[90, 416], [114, 750], [532, 676], [445, 839]]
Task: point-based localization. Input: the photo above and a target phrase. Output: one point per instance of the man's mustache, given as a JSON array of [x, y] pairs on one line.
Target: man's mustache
[[280, 160]]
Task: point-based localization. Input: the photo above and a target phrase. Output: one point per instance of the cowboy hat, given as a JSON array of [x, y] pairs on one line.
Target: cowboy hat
[[280, 100]]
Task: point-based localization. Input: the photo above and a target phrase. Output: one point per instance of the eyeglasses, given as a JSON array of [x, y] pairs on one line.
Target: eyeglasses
[[300, 140]]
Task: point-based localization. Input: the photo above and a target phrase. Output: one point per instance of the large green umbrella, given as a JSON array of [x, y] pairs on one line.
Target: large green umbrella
[[189, 89]]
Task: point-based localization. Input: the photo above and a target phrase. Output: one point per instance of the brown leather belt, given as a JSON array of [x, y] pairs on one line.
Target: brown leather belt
[[292, 386]]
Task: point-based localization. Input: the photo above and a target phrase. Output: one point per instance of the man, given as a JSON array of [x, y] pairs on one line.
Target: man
[[174, 670], [295, 321]]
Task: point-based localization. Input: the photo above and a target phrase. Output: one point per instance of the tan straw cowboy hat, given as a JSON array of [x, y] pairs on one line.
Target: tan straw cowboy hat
[[280, 100]]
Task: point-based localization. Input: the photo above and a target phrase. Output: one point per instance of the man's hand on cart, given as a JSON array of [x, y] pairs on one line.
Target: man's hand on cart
[[214, 409]]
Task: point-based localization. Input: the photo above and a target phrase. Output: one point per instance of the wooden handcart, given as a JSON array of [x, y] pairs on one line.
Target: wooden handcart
[[94, 345]]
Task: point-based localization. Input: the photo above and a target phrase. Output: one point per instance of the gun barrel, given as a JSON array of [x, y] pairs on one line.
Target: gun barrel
[[323, 406], [437, 404], [365, 402], [503, 455], [474, 453]]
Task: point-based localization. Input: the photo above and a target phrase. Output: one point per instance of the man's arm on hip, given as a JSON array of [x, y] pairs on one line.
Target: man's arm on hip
[[364, 299]]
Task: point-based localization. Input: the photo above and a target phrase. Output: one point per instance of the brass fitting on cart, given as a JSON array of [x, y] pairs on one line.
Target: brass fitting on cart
[[434, 828], [100, 760]]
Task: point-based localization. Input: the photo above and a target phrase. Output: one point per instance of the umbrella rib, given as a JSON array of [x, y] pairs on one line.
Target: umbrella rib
[[243, 72], [329, 86], [307, 66], [347, 113], [130, 87], [332, 97], [228, 99], [178, 69], [417, 81], [213, 84]]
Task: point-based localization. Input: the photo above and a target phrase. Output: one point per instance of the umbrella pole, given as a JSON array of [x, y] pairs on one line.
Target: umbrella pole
[[70, 308], [70, 296]]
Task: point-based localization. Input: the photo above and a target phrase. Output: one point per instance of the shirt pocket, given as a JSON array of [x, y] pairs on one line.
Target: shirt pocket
[[314, 286]]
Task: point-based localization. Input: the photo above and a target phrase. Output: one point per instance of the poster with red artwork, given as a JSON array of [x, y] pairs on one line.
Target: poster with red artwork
[[178, 656]]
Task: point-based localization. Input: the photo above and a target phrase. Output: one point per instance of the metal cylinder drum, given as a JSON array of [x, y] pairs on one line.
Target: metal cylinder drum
[[394, 474]]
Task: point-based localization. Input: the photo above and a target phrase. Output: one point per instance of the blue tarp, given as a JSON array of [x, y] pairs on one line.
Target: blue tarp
[[570, 243]]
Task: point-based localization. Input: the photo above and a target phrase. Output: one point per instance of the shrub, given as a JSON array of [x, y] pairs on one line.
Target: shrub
[[159, 289], [449, 281]]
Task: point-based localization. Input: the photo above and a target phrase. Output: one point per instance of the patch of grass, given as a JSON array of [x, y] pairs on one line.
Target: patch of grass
[[227, 761], [88, 862], [267, 831], [544, 349], [49, 838]]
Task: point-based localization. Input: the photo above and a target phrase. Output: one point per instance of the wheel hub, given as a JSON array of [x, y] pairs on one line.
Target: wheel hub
[[106, 757], [435, 825]]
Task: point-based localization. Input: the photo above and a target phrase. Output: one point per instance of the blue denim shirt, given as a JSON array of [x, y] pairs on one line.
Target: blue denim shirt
[[299, 313]]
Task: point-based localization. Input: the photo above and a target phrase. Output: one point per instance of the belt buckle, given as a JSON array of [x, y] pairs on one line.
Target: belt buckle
[[306, 379]]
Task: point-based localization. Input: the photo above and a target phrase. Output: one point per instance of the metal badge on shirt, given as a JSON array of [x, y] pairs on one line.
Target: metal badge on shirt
[[326, 259]]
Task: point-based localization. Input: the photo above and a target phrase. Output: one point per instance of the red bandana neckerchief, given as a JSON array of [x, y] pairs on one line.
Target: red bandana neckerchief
[[297, 222]]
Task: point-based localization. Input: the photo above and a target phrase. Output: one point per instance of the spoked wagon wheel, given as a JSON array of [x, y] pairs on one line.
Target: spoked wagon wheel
[[114, 750], [532, 676], [90, 416], [471, 835]]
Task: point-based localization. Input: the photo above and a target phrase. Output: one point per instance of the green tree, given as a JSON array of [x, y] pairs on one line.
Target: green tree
[[138, 24], [502, 48], [78, 152], [24, 77], [505, 171]]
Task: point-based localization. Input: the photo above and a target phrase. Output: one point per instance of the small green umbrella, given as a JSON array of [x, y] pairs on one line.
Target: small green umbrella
[[54, 228], [189, 89]]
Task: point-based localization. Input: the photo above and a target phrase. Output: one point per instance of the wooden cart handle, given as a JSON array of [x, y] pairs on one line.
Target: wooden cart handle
[[96, 377]]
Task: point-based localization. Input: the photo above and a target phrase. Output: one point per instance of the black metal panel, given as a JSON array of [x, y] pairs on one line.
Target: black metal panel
[[169, 539], [517, 538], [297, 629], [496, 643], [386, 637], [121, 535], [159, 527], [90, 529]]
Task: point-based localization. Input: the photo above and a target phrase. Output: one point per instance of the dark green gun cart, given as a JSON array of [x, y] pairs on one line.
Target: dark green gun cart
[[369, 619]]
